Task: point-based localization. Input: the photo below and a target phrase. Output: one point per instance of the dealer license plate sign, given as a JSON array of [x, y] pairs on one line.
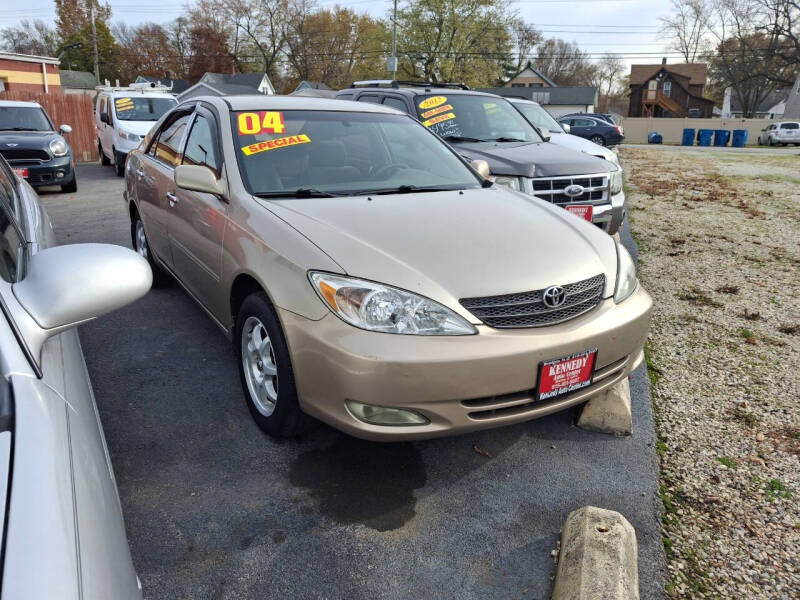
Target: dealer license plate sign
[[566, 375], [21, 172], [584, 211]]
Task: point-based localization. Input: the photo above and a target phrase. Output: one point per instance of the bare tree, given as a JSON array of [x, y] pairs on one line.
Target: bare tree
[[30, 37], [688, 27], [564, 62]]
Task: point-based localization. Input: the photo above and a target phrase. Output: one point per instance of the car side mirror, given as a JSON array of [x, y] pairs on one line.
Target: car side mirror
[[565, 127], [104, 118], [65, 129], [68, 285], [481, 167], [198, 179], [545, 135]]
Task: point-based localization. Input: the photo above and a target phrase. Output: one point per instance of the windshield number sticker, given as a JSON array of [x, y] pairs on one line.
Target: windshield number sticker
[[123, 104], [436, 111], [439, 119], [432, 102], [283, 142], [251, 123]]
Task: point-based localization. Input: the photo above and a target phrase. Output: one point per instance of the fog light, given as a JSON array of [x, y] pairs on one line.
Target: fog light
[[59, 174], [382, 415]]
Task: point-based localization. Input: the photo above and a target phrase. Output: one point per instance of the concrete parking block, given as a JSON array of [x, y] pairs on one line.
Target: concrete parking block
[[609, 412], [598, 557]]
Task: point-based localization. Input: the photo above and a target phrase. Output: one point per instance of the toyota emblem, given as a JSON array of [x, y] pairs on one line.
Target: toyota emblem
[[554, 296], [574, 190]]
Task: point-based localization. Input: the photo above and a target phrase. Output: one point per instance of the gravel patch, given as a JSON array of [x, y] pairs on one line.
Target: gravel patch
[[718, 250]]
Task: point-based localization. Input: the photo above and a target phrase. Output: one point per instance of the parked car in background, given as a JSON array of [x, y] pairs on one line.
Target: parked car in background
[[783, 133], [594, 129], [483, 126], [35, 149], [542, 119], [123, 115], [368, 277], [607, 117], [60, 514]]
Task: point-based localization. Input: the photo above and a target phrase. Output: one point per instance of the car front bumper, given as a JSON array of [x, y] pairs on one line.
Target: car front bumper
[[459, 383], [57, 171], [610, 216]]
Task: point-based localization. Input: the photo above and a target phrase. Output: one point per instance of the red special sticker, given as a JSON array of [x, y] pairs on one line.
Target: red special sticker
[[584, 211], [565, 375]]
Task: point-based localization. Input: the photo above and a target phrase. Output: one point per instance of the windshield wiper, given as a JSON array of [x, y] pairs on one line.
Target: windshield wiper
[[408, 189], [298, 193], [460, 138], [507, 139]]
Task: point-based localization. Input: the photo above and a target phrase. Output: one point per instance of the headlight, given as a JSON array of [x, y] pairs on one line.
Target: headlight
[[125, 135], [626, 275], [616, 182], [58, 147], [611, 156], [511, 183], [377, 307]]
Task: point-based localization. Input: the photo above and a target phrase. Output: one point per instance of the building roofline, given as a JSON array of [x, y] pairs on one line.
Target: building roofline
[[539, 74], [29, 58]]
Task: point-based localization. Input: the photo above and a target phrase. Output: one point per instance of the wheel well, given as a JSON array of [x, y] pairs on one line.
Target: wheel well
[[132, 210], [242, 287]]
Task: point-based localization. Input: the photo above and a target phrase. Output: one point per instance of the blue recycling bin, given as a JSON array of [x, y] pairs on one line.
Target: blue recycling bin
[[654, 138], [739, 138], [721, 137], [704, 137], [688, 137]]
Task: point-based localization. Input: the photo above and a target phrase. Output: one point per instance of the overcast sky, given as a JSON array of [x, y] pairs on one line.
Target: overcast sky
[[626, 27]]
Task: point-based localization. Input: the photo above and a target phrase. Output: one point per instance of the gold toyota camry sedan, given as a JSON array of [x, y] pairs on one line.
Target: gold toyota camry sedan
[[370, 278]]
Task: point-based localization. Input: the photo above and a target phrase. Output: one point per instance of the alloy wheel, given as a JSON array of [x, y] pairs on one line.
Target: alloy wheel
[[141, 240], [258, 364]]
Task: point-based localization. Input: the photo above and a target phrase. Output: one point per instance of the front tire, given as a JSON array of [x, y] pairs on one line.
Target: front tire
[[598, 139], [265, 369], [139, 240], [119, 164]]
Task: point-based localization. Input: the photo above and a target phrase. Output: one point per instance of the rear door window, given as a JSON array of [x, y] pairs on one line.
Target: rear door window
[[393, 102], [374, 98]]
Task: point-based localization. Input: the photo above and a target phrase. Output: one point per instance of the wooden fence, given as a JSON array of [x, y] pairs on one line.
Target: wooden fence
[[74, 110]]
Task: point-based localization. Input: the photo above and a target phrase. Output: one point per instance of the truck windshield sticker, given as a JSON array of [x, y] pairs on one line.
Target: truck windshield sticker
[[123, 104], [432, 102], [439, 119], [436, 111], [291, 140], [265, 121]]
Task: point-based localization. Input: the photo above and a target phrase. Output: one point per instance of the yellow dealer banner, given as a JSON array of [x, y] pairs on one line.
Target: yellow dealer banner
[[283, 142], [432, 102], [439, 119]]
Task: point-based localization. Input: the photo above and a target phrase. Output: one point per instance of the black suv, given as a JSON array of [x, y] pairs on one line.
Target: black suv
[[483, 126], [32, 146]]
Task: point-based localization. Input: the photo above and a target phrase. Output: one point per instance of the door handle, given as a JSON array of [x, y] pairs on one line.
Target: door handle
[[139, 173], [173, 199]]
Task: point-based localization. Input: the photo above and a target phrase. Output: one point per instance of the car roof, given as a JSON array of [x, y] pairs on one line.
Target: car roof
[[263, 102], [418, 91], [19, 104], [131, 93], [516, 100]]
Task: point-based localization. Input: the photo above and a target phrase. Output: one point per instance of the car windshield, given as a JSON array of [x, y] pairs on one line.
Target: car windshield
[[538, 116], [302, 153], [474, 118], [142, 108], [24, 118]]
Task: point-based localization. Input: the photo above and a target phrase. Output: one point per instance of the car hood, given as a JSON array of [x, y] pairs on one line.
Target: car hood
[[452, 245], [532, 159], [567, 140], [36, 140], [138, 127]]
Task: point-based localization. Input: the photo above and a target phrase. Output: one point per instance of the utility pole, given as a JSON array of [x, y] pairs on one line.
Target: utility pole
[[94, 43], [392, 62]]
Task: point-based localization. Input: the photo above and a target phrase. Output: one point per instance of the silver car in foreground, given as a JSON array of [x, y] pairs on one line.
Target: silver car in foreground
[[60, 515]]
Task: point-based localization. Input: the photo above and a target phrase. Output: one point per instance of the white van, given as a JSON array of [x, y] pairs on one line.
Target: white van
[[124, 115]]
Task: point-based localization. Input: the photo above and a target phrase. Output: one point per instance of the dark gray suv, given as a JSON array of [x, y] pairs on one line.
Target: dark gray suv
[[483, 126]]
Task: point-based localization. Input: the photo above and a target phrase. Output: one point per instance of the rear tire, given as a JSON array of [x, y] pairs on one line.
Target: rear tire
[[71, 187], [104, 160], [265, 369], [598, 139], [119, 164], [139, 240]]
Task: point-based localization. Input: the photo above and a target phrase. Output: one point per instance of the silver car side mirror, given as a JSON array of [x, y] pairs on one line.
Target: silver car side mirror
[[65, 129], [68, 285], [482, 167], [545, 135], [198, 179], [566, 127]]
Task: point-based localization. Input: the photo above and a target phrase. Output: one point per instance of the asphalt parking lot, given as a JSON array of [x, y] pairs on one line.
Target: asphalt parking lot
[[216, 509]]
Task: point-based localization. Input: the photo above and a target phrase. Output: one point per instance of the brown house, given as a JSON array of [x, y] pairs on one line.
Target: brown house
[[669, 91]]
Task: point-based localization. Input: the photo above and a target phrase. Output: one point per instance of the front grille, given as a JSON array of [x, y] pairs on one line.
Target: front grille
[[595, 189], [22, 154], [527, 309]]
